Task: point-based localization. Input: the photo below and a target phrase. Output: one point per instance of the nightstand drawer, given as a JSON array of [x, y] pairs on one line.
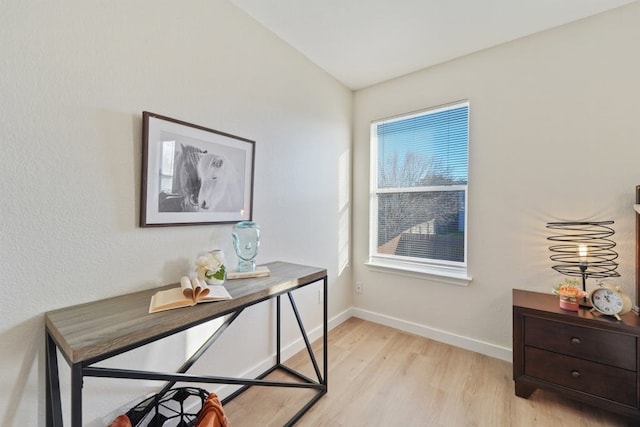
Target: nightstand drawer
[[611, 348], [577, 374]]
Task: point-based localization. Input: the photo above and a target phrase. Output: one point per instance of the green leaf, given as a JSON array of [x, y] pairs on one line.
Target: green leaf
[[220, 273]]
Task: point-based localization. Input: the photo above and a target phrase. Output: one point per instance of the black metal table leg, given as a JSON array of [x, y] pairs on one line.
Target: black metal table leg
[[325, 334], [53, 402], [76, 395], [278, 336]]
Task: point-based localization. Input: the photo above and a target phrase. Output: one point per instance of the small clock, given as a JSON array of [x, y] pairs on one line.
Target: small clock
[[610, 300]]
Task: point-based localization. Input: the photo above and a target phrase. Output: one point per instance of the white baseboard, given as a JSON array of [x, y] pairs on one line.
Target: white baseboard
[[314, 334], [467, 343], [286, 352]]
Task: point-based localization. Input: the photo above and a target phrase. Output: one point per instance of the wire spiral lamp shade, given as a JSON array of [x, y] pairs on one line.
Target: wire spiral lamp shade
[[583, 249]]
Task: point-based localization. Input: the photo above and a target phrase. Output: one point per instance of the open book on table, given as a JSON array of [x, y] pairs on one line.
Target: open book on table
[[191, 292]]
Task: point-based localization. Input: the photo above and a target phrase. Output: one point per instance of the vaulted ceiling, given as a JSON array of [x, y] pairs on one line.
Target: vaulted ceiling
[[363, 42]]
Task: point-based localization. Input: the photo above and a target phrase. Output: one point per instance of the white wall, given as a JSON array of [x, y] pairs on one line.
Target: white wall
[[554, 135], [75, 77]]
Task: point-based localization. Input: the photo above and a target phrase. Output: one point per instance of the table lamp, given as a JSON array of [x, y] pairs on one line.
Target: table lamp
[[583, 249]]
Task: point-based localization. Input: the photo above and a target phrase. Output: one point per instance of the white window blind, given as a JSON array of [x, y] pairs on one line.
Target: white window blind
[[419, 189]]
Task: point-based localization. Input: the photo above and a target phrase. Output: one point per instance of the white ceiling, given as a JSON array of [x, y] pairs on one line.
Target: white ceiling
[[363, 42]]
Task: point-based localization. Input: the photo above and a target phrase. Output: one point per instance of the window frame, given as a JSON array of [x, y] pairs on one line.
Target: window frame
[[453, 272]]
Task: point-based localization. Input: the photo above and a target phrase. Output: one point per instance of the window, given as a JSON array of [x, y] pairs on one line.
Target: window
[[419, 191]]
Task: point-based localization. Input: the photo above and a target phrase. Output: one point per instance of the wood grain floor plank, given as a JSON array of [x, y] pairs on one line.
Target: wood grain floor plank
[[379, 376]]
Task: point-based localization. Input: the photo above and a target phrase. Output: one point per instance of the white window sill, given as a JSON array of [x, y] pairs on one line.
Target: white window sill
[[444, 274]]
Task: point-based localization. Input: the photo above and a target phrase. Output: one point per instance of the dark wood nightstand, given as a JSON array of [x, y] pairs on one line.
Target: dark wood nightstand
[[582, 355]]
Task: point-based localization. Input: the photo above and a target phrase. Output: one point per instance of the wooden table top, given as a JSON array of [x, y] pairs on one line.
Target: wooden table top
[[97, 330], [548, 303]]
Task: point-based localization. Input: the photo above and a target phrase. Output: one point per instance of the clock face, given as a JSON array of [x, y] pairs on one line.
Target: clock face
[[607, 301]]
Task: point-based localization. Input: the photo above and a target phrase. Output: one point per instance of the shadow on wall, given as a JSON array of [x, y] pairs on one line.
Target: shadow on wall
[[24, 357]]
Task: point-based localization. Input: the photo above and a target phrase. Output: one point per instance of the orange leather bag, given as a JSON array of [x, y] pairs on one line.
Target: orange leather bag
[[212, 414]]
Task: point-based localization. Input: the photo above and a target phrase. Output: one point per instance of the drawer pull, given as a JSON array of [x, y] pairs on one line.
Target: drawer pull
[[575, 374], [575, 340]]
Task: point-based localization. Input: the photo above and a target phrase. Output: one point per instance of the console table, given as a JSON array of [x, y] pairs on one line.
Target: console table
[[583, 355], [89, 333]]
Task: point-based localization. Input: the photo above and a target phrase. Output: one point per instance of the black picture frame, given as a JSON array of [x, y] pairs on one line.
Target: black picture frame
[[193, 175]]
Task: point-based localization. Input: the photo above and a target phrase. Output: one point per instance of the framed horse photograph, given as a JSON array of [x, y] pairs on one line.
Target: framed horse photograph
[[193, 175]]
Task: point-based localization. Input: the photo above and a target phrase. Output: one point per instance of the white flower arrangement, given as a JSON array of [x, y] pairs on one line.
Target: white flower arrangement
[[211, 266]]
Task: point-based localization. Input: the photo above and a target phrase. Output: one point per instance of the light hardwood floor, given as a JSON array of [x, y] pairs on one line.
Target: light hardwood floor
[[379, 376]]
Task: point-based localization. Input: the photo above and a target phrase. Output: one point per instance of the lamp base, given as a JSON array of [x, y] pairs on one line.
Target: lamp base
[[585, 303]]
